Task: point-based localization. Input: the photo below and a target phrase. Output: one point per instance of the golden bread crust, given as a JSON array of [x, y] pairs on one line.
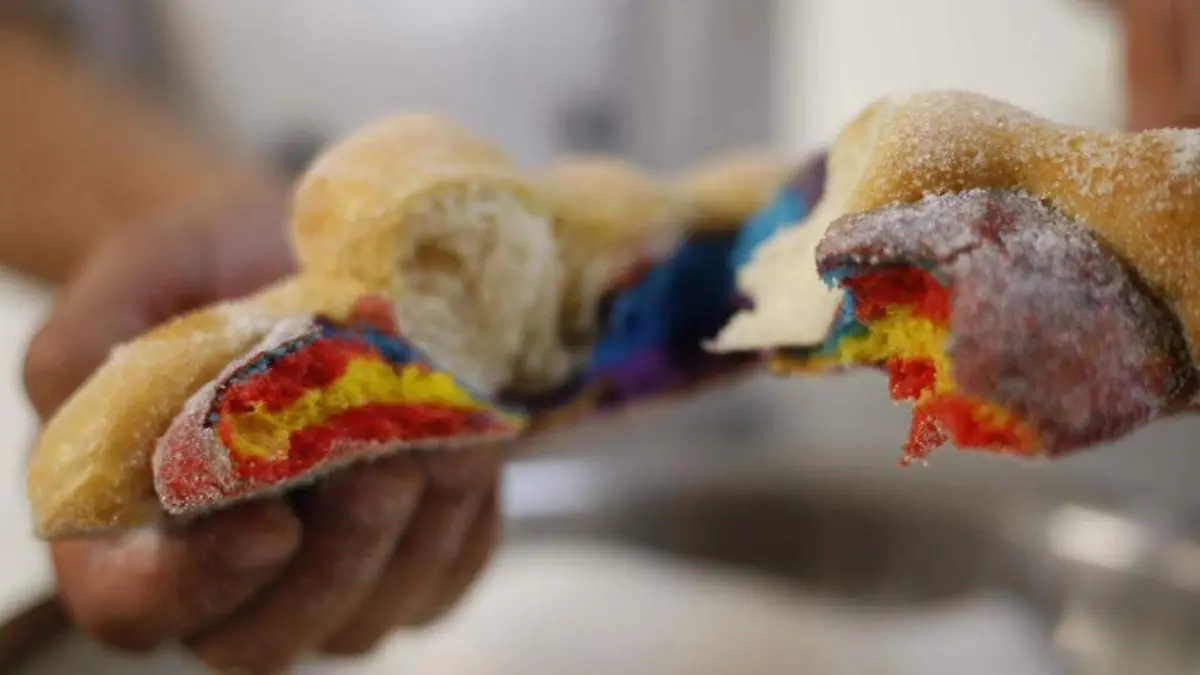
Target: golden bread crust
[[727, 191], [351, 203], [91, 469], [1139, 192], [604, 203]]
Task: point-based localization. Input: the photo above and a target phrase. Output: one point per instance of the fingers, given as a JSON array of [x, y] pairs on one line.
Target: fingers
[[249, 246], [384, 545], [352, 522], [1189, 48], [122, 290], [1162, 40], [1152, 70], [142, 276], [443, 550], [476, 551], [137, 591]]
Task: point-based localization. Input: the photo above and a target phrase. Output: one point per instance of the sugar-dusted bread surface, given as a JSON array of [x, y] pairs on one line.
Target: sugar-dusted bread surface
[[1138, 192], [727, 190], [91, 469], [1046, 323]]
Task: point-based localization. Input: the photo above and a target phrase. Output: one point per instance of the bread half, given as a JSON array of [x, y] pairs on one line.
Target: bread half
[[1025, 283], [1006, 324], [413, 209]]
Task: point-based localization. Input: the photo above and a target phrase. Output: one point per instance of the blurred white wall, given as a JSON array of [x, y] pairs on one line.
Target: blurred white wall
[[1060, 58], [508, 68], [663, 81]]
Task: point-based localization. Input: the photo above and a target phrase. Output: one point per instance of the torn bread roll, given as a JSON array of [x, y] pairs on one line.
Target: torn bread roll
[[1006, 323], [414, 209], [1027, 285], [435, 280]]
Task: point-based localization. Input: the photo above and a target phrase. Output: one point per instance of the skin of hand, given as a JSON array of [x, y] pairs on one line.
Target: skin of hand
[[333, 569], [1162, 61]]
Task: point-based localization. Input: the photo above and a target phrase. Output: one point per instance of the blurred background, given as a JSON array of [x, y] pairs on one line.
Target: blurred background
[[747, 530], [667, 82]]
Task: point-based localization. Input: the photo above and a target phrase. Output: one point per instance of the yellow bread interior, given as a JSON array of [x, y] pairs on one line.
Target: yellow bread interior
[[265, 434], [900, 334]]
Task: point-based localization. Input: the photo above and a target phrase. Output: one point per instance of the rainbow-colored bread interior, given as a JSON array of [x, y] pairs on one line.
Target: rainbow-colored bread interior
[[896, 318], [655, 321], [315, 397], [335, 393]]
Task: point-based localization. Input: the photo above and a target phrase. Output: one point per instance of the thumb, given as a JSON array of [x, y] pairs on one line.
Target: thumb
[[141, 276], [129, 284]]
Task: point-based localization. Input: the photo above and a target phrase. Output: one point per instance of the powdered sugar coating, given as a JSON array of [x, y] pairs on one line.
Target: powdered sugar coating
[[1044, 320], [151, 375], [187, 435], [1138, 193], [1186, 158]]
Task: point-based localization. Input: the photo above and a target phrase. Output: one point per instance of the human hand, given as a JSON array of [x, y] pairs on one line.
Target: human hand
[[331, 569], [1162, 40]]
